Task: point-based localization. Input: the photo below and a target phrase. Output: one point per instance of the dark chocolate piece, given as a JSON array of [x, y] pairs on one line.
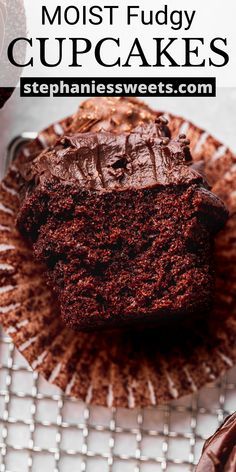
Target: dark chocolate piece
[[219, 451], [5, 93]]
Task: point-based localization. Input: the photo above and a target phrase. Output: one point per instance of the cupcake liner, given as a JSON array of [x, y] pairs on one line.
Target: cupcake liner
[[130, 368]]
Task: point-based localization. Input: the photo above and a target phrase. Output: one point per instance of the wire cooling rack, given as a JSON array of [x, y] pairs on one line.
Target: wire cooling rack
[[42, 430]]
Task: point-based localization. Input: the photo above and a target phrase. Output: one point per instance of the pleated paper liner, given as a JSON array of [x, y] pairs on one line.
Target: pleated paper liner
[[121, 369]]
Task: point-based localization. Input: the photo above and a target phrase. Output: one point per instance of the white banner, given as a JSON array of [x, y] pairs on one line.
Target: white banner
[[126, 38]]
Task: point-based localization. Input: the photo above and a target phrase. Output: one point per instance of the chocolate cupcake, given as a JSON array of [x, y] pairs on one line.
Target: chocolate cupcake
[[128, 368], [219, 451], [124, 225]]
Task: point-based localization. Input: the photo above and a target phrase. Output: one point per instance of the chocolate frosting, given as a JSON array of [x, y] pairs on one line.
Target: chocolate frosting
[[105, 161], [219, 451], [113, 114]]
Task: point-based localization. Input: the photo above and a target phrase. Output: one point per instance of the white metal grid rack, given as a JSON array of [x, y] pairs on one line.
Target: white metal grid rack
[[42, 430]]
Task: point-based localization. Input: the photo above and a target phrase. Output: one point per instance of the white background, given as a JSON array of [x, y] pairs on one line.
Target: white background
[[213, 18]]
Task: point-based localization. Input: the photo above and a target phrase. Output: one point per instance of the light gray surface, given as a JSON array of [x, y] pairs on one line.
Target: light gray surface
[[216, 115]]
